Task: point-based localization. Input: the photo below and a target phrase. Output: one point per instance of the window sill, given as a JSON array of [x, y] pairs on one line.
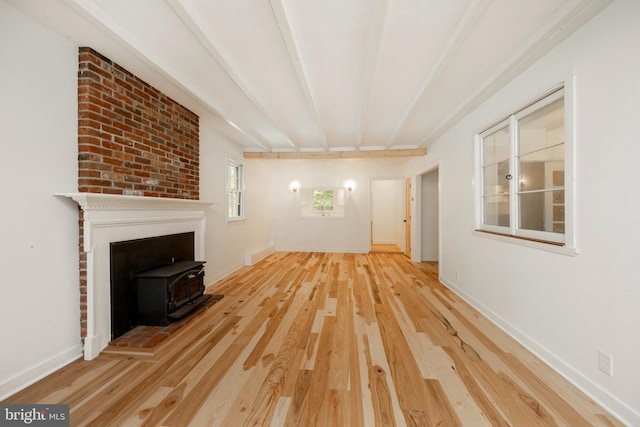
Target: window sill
[[322, 216], [535, 244], [233, 221]]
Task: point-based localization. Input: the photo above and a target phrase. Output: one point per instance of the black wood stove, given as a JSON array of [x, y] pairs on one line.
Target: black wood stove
[[169, 292]]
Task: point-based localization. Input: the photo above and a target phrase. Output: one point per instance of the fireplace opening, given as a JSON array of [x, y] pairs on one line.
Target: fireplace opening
[[168, 260]]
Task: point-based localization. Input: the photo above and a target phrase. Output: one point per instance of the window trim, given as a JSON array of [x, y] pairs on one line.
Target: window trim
[[307, 208], [497, 229], [513, 234], [535, 244], [240, 190]]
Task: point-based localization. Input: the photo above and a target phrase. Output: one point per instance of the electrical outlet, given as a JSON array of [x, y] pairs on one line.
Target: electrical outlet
[[605, 363], [457, 275]]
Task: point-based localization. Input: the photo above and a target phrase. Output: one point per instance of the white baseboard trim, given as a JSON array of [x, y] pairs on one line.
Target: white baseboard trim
[[30, 376], [325, 250], [258, 256], [222, 274], [622, 411]]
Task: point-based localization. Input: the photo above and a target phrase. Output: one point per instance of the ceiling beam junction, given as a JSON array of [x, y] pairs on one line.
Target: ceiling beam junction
[[564, 23], [101, 19], [188, 13], [471, 17]]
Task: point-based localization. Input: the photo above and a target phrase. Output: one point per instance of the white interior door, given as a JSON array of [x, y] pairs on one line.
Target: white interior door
[[386, 212]]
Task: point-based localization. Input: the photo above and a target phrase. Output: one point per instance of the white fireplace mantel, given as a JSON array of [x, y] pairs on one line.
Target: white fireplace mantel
[[109, 218], [101, 202]]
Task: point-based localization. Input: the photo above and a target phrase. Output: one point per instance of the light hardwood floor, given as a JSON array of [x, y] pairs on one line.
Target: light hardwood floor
[[385, 248], [316, 339]]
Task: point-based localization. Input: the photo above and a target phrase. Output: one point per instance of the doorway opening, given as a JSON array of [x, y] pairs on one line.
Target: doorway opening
[[387, 215], [427, 223]]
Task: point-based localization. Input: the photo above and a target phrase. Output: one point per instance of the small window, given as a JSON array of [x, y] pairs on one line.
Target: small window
[[521, 171], [323, 200], [235, 183]]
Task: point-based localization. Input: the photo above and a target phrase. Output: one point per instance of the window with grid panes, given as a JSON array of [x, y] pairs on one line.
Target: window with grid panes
[[235, 178], [521, 170]]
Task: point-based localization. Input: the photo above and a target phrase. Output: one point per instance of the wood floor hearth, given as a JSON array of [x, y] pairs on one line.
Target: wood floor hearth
[[318, 339]]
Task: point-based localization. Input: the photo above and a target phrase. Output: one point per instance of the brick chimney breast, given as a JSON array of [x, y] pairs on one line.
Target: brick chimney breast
[[132, 139]]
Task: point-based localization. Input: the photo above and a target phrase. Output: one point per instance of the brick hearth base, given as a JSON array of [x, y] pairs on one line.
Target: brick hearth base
[[150, 336]]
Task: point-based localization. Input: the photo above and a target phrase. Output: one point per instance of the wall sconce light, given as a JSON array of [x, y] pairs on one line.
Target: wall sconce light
[[294, 186], [350, 185]]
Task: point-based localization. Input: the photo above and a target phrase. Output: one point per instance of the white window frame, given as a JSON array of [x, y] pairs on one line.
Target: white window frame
[[333, 199], [239, 191], [308, 210], [554, 242]]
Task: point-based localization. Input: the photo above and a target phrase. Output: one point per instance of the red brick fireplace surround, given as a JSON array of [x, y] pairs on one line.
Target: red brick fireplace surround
[[132, 140]]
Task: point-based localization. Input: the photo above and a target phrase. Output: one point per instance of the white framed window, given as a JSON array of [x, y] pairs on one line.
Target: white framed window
[[322, 202], [524, 171], [235, 187]]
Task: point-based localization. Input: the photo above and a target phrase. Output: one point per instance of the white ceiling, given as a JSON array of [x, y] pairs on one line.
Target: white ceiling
[[319, 75]]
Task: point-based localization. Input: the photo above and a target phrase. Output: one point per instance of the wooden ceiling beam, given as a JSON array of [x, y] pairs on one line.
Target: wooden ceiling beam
[[201, 30], [282, 21], [373, 51], [371, 154], [471, 17]]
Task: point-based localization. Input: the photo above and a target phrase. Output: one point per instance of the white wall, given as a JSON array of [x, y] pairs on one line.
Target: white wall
[[429, 217], [39, 306], [229, 243], [564, 308], [349, 234]]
